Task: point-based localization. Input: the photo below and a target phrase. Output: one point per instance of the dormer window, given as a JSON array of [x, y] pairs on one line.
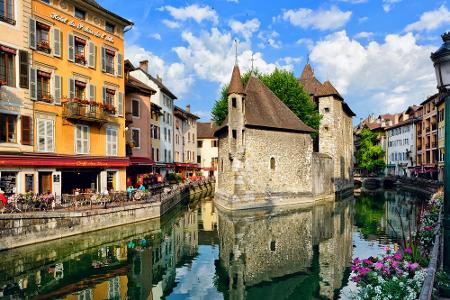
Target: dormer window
[[80, 14], [42, 40], [110, 27]]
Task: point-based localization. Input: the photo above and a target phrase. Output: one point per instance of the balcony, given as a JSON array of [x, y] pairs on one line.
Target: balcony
[[83, 110]]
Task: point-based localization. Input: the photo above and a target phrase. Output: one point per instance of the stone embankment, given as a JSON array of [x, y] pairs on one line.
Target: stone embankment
[[412, 184], [20, 229]]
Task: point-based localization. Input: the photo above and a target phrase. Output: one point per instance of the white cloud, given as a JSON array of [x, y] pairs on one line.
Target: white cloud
[[354, 1], [211, 54], [388, 4], [246, 29], [307, 42], [194, 11], [175, 75], [363, 35], [234, 1], [321, 19], [431, 20], [363, 19], [171, 24], [269, 38], [387, 76], [155, 36]]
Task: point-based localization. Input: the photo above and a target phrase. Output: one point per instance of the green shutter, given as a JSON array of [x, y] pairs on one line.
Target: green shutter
[[33, 85], [91, 58], [32, 35], [120, 104], [104, 95], [56, 42], [92, 92], [103, 59], [71, 88], [71, 52], [57, 89]]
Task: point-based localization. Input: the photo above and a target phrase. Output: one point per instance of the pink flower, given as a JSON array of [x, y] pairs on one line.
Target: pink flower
[[413, 266], [395, 264], [397, 256], [367, 261], [408, 250], [356, 279], [378, 265], [363, 271], [356, 261]]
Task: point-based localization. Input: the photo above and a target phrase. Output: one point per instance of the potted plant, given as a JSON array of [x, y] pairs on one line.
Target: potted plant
[[80, 58], [43, 46]]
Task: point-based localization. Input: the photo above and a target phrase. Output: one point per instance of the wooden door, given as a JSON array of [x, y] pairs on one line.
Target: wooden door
[[45, 182]]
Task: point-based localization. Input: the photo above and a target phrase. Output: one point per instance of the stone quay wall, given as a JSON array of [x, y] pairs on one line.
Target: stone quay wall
[[20, 229]]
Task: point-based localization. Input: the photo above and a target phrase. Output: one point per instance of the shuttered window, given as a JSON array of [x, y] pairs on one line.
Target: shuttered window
[[92, 52], [71, 49], [111, 141], [82, 139], [33, 84], [27, 130], [92, 92], [120, 103], [23, 69], [71, 88], [119, 64], [57, 92], [57, 42], [45, 135], [32, 34]]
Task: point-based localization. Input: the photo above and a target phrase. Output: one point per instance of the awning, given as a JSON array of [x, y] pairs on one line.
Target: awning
[[62, 161], [186, 165], [141, 161]]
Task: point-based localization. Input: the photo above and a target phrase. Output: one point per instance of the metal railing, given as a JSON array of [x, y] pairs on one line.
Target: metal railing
[[86, 112]]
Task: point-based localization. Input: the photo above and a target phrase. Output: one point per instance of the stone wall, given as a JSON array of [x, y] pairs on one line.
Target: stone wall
[[322, 168], [225, 178], [336, 140]]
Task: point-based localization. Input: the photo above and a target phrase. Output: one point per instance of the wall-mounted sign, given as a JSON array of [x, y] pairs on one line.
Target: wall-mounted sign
[[82, 27]]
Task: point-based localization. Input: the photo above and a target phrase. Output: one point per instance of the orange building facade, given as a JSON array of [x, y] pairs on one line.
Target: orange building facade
[[76, 86]]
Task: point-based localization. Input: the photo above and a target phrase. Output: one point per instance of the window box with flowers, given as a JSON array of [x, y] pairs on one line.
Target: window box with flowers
[[80, 58], [109, 108], [43, 46]]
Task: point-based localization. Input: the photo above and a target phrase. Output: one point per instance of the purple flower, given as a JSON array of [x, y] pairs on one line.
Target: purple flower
[[408, 250], [367, 261], [363, 271], [356, 279], [413, 266], [397, 256], [356, 261]]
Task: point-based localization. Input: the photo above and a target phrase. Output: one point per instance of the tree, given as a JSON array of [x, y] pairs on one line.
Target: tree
[[370, 157], [286, 87]]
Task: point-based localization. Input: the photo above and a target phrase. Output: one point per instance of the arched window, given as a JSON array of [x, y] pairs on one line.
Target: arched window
[[272, 163]]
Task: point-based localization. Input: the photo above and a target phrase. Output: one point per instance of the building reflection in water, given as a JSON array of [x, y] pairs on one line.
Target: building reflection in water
[[299, 253]]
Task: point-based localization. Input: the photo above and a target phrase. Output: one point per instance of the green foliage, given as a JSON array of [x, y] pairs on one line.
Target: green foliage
[[287, 88], [369, 156]]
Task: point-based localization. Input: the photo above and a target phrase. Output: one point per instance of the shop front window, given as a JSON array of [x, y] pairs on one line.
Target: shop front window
[[43, 87], [111, 180], [8, 182], [7, 66], [42, 40], [8, 130], [80, 45]]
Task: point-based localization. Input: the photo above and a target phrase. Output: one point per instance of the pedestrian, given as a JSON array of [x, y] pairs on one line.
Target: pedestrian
[[130, 191], [142, 187]]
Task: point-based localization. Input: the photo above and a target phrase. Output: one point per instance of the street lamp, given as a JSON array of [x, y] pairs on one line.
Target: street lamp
[[441, 61]]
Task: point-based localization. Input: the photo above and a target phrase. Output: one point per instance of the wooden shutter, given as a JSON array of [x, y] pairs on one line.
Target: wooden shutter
[[56, 42], [57, 83], [27, 133], [103, 59], [49, 135], [41, 135], [23, 69], [91, 92], [71, 52], [120, 104], [71, 88], [119, 64], [91, 58], [32, 34], [33, 84], [104, 95]]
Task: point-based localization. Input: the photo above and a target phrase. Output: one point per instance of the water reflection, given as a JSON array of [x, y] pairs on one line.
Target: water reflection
[[199, 252]]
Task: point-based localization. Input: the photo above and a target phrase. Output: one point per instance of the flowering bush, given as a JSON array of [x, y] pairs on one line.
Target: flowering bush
[[400, 275]]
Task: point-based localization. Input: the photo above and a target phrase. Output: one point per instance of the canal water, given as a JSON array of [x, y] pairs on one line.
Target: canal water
[[200, 252]]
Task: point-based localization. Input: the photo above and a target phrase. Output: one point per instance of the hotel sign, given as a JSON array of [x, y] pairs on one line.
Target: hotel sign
[[82, 27]]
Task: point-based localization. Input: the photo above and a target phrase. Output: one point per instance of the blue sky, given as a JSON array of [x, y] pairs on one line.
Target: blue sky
[[375, 52]]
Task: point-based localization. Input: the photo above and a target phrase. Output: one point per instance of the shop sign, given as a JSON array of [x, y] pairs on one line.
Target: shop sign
[[82, 27]]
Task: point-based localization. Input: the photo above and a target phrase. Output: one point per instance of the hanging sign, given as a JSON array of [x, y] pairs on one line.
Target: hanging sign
[[82, 27]]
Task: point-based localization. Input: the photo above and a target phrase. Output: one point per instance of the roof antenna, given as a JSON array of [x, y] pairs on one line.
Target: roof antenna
[[236, 49]]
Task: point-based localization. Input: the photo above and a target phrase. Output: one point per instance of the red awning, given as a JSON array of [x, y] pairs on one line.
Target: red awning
[[7, 50], [141, 161], [110, 52], [80, 84], [43, 26], [80, 41], [110, 91], [44, 74], [62, 161]]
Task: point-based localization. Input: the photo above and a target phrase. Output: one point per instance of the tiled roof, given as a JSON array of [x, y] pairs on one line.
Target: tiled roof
[[205, 130], [236, 86], [134, 85], [309, 81], [184, 113], [163, 88], [328, 90]]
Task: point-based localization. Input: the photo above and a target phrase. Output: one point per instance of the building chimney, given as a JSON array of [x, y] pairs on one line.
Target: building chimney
[[144, 65], [188, 108], [158, 78]]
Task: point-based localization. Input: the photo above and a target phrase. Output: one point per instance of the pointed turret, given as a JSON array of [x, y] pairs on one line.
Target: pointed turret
[[309, 81], [328, 90], [307, 73], [236, 86]]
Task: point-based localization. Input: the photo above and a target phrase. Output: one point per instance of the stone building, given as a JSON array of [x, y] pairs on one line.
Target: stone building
[[336, 129], [207, 149], [266, 152]]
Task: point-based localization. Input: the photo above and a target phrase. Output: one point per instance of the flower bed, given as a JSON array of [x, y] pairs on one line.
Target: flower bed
[[400, 274], [30, 202]]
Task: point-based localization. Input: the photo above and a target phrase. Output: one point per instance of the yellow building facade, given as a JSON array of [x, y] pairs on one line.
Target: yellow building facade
[[77, 89]]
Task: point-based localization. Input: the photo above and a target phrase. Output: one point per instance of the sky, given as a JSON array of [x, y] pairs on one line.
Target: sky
[[375, 52]]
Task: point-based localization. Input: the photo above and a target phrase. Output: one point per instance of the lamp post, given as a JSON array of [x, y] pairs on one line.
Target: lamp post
[[441, 61]]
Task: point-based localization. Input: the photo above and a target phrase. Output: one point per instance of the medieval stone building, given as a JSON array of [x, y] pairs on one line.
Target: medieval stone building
[[336, 129], [266, 155]]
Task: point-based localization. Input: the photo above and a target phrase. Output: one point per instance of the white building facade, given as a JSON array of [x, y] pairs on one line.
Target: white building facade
[[207, 149], [401, 145]]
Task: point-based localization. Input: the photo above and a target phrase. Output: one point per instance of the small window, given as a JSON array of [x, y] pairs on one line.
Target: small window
[[135, 108], [8, 128], [199, 144], [136, 136], [327, 109], [7, 11], [79, 13], [43, 87], [272, 246], [80, 56], [109, 61], [42, 37], [7, 66], [234, 132], [199, 159], [272, 163], [80, 90], [233, 102], [110, 27]]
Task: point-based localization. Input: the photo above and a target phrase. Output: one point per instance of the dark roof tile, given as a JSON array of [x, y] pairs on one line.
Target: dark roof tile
[[205, 130]]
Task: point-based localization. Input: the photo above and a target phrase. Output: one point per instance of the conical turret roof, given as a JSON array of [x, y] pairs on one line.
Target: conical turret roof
[[309, 81], [236, 86]]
